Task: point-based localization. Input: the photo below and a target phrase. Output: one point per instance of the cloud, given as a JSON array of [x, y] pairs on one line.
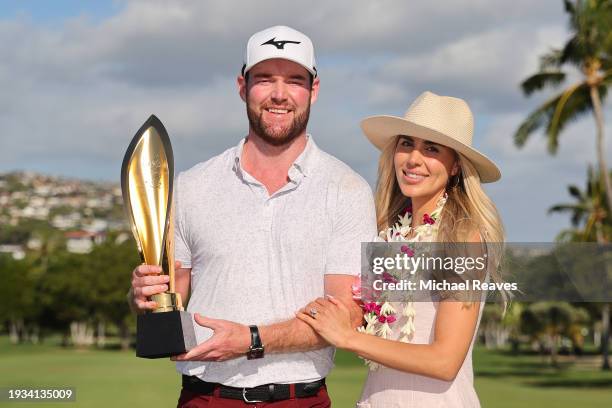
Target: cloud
[[74, 92]]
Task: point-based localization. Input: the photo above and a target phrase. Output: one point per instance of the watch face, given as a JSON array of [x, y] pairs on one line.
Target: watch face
[[255, 352]]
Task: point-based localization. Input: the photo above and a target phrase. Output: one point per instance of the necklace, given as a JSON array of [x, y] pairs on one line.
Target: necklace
[[380, 316], [402, 230]]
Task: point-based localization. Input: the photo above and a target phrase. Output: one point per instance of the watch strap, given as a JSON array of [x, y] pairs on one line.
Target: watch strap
[[257, 349], [255, 338]]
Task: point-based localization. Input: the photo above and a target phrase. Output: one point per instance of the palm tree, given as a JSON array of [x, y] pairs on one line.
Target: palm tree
[[589, 50], [590, 214], [592, 221], [548, 322]]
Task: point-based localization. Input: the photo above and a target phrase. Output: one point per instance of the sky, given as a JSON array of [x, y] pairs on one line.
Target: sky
[[78, 78]]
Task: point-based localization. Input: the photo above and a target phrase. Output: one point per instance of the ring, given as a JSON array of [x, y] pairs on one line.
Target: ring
[[313, 312]]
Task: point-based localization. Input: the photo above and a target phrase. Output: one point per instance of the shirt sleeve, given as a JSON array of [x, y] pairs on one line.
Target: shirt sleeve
[[182, 252], [354, 222]]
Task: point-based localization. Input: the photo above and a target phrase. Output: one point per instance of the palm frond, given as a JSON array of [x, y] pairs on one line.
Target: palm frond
[[572, 104], [578, 212], [569, 7], [575, 192], [540, 80], [534, 121], [590, 23], [572, 52], [603, 87], [554, 114], [593, 182], [564, 208], [550, 60], [569, 235], [561, 115]]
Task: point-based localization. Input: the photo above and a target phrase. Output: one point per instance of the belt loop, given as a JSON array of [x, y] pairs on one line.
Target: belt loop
[[217, 391], [271, 392], [292, 391]]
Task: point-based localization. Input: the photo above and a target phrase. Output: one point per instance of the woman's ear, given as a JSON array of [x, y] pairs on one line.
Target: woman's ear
[[455, 169]]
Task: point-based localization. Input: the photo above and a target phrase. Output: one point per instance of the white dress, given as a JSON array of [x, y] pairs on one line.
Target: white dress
[[389, 388]]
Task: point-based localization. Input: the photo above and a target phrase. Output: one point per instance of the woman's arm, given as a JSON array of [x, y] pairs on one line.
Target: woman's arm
[[442, 359]]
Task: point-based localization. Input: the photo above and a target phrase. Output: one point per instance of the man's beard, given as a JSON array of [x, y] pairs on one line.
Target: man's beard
[[282, 137]]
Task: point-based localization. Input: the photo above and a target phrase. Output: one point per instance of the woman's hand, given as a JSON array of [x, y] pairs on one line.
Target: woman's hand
[[330, 318]]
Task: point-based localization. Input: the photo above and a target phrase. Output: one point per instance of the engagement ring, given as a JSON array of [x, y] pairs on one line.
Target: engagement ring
[[313, 312]]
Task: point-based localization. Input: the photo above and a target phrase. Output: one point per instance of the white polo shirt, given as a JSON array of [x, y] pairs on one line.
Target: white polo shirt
[[257, 259]]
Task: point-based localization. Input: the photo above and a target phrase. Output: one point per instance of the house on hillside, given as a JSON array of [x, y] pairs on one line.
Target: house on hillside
[[16, 251], [82, 242]]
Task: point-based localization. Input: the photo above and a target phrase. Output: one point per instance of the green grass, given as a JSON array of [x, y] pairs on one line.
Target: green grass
[[101, 378], [504, 380], [118, 379]]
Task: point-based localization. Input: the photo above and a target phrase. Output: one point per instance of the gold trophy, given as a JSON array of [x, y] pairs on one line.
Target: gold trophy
[[147, 175]]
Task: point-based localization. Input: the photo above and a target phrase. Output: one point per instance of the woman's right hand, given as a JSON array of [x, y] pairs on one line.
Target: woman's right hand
[[330, 318]]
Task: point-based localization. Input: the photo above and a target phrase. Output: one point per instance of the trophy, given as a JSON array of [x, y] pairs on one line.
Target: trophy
[[147, 175]]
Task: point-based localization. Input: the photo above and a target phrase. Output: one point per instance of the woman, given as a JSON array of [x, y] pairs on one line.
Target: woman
[[429, 180]]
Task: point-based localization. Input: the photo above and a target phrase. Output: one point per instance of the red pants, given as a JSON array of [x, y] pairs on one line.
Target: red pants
[[190, 399]]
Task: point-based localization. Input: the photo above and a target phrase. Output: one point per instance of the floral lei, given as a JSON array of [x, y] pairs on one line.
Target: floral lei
[[380, 316]]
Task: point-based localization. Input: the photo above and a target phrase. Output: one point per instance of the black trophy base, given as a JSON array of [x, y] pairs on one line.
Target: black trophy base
[[164, 334]]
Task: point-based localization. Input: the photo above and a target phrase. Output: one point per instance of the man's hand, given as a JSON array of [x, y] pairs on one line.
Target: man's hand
[[230, 340], [147, 281]]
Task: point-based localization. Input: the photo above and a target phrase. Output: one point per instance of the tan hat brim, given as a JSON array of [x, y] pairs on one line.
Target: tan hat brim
[[381, 129]]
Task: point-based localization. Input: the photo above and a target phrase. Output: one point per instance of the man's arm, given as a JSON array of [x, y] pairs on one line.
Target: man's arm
[[182, 282], [232, 340], [354, 222], [295, 335]]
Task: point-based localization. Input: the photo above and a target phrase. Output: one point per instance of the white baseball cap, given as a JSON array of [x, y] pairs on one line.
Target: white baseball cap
[[280, 42]]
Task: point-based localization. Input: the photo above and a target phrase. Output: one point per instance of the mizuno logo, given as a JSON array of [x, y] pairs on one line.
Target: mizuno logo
[[279, 44]]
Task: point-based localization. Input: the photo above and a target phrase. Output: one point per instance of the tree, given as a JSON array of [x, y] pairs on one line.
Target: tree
[[65, 293], [110, 266], [589, 50], [18, 303], [590, 214], [548, 322], [498, 326], [592, 221]]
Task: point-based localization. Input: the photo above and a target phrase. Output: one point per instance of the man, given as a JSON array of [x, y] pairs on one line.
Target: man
[[262, 230]]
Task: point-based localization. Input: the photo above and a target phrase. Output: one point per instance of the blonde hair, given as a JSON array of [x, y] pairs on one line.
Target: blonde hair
[[468, 209]]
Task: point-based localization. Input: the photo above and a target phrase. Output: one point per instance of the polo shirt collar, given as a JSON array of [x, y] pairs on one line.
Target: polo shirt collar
[[304, 163]]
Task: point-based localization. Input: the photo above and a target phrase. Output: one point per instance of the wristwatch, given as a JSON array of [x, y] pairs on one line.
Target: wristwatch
[[257, 348]]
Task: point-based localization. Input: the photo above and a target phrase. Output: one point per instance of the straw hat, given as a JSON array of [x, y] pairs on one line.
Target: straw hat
[[440, 119]]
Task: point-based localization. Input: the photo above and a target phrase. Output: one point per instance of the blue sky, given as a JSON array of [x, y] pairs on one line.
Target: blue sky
[[78, 78], [57, 11]]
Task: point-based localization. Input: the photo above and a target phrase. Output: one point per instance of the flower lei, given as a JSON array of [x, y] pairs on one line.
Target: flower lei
[[379, 316]]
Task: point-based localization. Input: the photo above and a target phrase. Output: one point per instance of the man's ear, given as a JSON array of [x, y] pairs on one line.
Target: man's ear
[[314, 94], [242, 84]]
